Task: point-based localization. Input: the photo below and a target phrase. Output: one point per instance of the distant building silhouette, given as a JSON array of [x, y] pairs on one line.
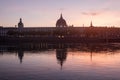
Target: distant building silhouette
[[20, 24], [61, 22], [91, 24], [64, 32]]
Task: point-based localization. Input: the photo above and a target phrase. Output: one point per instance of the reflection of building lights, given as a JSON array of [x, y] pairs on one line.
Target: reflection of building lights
[[60, 36]]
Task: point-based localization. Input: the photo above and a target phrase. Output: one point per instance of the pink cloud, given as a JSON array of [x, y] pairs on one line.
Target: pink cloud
[[93, 13]]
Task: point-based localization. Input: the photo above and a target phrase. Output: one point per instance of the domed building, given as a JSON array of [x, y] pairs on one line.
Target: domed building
[[20, 24], [61, 22]]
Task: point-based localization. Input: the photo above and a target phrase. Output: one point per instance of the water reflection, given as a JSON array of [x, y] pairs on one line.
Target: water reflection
[[61, 55], [20, 55], [65, 61], [61, 49]]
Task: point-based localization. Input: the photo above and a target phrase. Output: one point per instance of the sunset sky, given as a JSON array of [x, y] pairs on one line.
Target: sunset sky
[[44, 13]]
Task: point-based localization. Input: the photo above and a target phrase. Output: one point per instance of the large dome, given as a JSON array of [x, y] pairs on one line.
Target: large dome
[[61, 22]]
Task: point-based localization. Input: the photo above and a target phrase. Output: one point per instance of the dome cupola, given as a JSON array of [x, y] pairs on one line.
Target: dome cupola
[[61, 22], [20, 24]]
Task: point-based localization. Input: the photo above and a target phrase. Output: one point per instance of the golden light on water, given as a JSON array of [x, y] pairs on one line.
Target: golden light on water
[[96, 59]]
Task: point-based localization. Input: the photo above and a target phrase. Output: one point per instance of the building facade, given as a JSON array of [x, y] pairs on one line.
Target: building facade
[[61, 29]]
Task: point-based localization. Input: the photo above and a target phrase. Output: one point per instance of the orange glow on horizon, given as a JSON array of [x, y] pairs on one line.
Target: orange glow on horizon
[[96, 59]]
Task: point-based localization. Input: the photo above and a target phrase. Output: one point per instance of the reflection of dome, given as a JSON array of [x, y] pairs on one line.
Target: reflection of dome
[[61, 22], [20, 55], [61, 55]]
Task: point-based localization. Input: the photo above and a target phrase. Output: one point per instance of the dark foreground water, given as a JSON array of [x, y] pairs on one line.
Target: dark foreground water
[[60, 62]]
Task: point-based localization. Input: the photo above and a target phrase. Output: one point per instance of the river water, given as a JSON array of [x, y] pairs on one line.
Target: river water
[[60, 61]]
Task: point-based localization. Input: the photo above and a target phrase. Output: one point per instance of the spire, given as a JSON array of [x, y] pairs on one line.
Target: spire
[[61, 16], [20, 20], [91, 25]]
